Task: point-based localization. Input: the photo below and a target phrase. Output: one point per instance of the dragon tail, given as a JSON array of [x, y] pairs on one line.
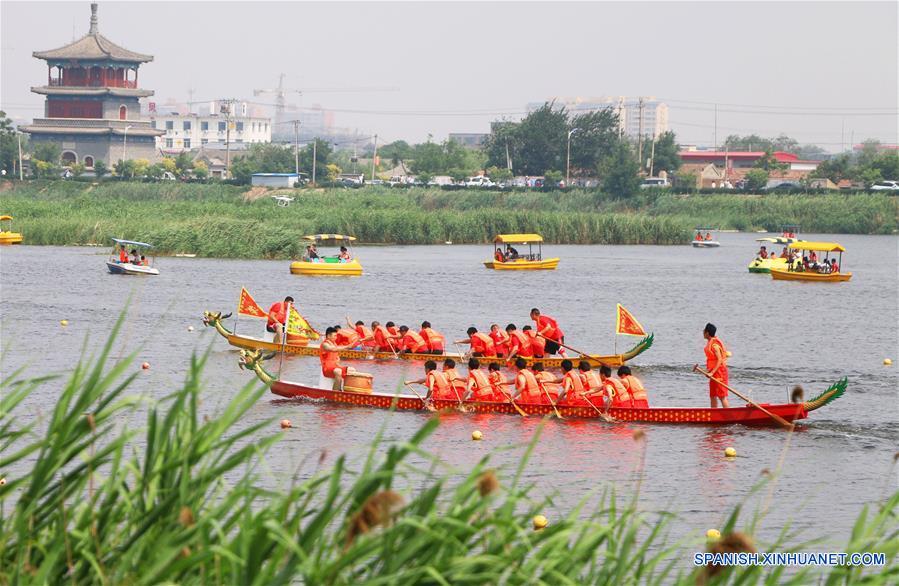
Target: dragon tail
[[833, 392]]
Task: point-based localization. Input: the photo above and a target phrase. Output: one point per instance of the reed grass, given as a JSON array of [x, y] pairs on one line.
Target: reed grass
[[216, 220], [90, 499]]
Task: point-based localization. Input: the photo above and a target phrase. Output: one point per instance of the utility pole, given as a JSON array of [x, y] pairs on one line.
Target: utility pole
[[640, 135], [21, 171], [226, 108], [508, 158], [296, 147], [652, 154], [314, 158], [373, 157], [355, 156], [620, 111]]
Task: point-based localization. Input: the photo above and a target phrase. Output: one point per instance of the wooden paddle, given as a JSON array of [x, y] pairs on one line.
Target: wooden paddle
[[427, 404], [605, 416], [773, 416], [550, 399], [511, 400], [462, 406], [583, 354]]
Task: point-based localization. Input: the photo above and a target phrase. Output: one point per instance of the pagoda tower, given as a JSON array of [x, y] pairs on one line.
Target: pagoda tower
[[92, 110]]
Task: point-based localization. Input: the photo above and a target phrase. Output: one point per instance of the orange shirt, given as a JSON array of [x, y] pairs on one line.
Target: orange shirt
[[498, 382], [500, 342], [520, 344], [280, 311], [710, 359], [481, 389], [553, 331], [482, 344], [634, 387], [346, 337], [439, 386], [528, 387], [413, 342], [538, 344], [329, 360], [620, 396], [433, 339]]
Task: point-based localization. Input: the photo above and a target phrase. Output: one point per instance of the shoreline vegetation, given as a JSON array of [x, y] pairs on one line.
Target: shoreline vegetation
[[85, 499], [229, 221]]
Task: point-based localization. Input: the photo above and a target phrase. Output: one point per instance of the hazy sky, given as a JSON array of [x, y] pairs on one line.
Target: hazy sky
[[823, 72]]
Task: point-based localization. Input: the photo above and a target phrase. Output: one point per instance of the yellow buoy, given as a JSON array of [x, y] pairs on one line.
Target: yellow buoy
[[729, 353], [476, 435], [540, 522], [713, 534], [2, 481], [63, 322], [887, 361], [730, 452], [285, 424]]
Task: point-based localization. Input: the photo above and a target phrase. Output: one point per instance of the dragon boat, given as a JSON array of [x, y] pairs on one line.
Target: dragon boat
[[214, 319], [746, 415]]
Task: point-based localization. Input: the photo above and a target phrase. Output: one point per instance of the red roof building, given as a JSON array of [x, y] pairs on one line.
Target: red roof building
[[733, 165]]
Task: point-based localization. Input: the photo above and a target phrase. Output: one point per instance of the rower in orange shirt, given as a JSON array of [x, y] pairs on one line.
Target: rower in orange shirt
[[500, 340], [612, 388], [329, 355], [548, 329], [547, 381], [538, 344], [634, 387], [481, 344], [716, 365], [519, 343], [456, 381], [410, 342], [346, 337], [592, 383], [527, 387], [277, 318], [366, 336], [382, 338], [439, 388], [478, 387], [498, 382], [572, 386], [434, 339]]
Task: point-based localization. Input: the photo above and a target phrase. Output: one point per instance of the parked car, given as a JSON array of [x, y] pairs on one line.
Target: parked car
[[885, 186], [657, 182], [784, 186], [479, 181]]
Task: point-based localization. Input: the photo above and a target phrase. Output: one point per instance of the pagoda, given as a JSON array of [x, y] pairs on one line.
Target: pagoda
[[92, 110]]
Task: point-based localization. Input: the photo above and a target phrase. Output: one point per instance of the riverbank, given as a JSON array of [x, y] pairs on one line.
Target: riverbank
[[216, 220]]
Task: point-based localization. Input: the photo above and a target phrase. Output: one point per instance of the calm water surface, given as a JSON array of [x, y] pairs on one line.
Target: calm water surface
[[780, 333]]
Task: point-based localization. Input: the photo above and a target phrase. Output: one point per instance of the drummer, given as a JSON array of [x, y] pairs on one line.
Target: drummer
[[329, 355]]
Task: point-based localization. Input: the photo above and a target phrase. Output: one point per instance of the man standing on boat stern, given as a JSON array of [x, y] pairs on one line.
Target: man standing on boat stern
[[716, 364], [277, 317], [549, 329], [329, 355]]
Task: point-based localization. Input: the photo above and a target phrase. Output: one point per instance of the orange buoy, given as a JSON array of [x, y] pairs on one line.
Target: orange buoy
[[285, 424], [145, 365]]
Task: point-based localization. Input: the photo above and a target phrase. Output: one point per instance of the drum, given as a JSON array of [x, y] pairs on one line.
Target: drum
[[358, 382], [297, 340]]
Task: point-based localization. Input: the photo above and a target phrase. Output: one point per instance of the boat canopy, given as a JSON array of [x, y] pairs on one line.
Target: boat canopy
[[320, 237], [817, 246], [773, 240], [5, 218], [132, 242], [517, 238]]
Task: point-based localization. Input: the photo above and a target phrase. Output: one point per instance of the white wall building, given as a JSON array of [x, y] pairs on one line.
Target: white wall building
[[655, 113], [184, 132]]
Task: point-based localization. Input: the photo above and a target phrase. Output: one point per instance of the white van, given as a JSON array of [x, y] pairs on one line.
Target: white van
[[479, 181], [650, 182]]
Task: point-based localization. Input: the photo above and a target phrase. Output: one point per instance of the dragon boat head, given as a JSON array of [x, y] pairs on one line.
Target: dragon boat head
[[252, 360], [212, 318]]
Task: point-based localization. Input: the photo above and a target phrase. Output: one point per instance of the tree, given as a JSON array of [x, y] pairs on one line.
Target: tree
[[201, 170], [665, 157], [168, 164], [9, 146], [594, 136], [140, 167], [445, 158], [541, 143], [263, 158], [397, 152], [100, 169], [868, 152], [619, 172], [552, 178], [155, 171], [769, 162], [498, 173], [183, 164], [887, 163], [751, 142], [810, 152], [756, 179], [48, 152], [502, 143], [834, 169], [322, 157], [77, 169]]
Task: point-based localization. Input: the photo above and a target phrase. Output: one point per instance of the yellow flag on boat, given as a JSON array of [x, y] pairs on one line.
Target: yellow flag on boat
[[246, 305], [627, 324], [298, 326]]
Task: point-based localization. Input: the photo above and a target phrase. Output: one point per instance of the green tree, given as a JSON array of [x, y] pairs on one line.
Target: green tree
[[323, 151], [503, 141], [756, 179], [665, 157], [155, 171], [45, 170], [397, 152], [835, 169], [552, 178], [169, 164], [77, 169], [100, 169], [868, 152], [140, 167], [887, 163], [619, 172], [9, 146], [769, 162], [201, 170], [498, 173], [542, 137], [593, 138], [183, 164], [48, 152], [263, 158], [750, 142]]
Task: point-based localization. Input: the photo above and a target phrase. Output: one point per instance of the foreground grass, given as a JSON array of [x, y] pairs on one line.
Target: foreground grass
[[178, 501], [217, 221]]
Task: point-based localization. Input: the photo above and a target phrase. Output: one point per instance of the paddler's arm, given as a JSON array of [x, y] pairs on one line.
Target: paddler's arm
[[415, 382], [465, 341]]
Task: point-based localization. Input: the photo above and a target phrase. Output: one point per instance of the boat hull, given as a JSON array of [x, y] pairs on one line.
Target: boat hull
[[249, 343], [547, 264], [705, 244], [130, 269], [352, 268], [10, 238], [747, 415], [782, 275], [764, 265]]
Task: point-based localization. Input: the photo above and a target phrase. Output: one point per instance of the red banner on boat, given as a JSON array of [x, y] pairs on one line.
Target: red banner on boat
[[627, 324], [248, 306]]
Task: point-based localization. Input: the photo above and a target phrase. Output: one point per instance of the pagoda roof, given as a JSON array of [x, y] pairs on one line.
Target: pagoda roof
[[93, 46], [92, 91]]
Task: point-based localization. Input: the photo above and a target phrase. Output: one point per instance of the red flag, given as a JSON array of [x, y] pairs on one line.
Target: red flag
[[248, 306], [627, 324]]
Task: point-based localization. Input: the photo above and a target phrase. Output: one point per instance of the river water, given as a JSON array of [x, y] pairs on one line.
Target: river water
[[780, 333]]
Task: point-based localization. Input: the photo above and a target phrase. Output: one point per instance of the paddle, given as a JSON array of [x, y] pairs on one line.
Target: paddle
[[550, 399], [605, 416], [392, 349], [583, 354], [427, 404], [511, 400], [462, 407], [773, 416]]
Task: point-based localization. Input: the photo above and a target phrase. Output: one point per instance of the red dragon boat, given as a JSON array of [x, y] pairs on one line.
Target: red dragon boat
[[746, 415]]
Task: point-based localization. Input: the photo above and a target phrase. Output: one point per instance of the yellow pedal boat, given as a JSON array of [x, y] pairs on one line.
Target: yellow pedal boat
[[821, 274], [327, 265], [510, 259], [7, 236]]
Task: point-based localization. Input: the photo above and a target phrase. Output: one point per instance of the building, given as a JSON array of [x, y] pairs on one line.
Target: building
[[275, 179], [92, 110], [733, 165], [653, 112], [470, 140], [185, 132]]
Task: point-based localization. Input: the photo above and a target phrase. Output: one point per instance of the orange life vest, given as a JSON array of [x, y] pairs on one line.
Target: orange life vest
[[538, 344], [329, 360], [498, 382], [364, 332], [481, 389], [123, 256], [710, 358], [500, 342], [413, 342], [591, 380], [482, 344], [620, 396], [548, 381], [455, 380], [521, 344], [439, 386], [634, 387], [382, 338], [528, 387], [346, 337], [433, 339]]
